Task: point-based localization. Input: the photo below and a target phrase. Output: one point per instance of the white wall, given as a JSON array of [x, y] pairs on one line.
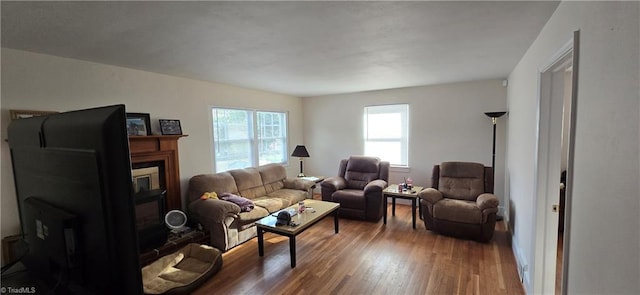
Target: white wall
[[44, 82], [604, 246], [447, 123]]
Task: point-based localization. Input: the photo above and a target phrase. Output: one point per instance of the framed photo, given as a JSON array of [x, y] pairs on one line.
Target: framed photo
[[170, 127], [138, 124], [21, 114]]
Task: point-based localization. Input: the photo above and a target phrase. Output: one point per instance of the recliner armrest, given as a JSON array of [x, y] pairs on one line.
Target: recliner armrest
[[430, 195], [212, 211], [334, 183], [486, 201], [299, 184], [375, 186]]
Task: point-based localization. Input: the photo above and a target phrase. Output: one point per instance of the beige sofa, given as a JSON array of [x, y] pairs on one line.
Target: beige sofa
[[267, 186]]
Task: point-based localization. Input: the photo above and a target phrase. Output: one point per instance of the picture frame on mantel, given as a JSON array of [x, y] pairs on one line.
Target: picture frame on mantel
[[21, 114], [170, 127], [138, 124]]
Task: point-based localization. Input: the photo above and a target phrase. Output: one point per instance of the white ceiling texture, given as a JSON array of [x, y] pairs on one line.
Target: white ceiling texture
[[296, 48]]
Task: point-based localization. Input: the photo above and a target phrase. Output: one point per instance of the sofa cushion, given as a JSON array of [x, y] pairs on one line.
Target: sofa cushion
[[288, 196], [253, 215], [457, 210], [350, 199], [249, 182], [270, 204], [220, 183], [273, 176]]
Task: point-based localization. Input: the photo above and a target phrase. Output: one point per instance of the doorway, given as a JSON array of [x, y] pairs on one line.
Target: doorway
[[556, 118]]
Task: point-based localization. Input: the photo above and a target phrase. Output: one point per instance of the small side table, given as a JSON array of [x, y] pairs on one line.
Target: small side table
[[316, 179], [174, 243], [392, 192]]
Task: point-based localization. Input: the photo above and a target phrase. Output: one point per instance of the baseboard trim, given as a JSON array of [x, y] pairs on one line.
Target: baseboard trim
[[521, 264]]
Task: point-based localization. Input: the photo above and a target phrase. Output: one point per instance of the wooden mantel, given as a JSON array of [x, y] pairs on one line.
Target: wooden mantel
[[160, 148]]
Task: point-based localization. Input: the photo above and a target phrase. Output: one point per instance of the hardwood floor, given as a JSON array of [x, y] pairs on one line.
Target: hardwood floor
[[370, 258]]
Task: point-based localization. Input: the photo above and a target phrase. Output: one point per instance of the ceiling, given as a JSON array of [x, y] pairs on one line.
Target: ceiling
[[296, 48]]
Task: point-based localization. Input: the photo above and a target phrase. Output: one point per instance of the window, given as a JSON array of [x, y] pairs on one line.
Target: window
[[272, 137], [236, 145], [386, 133]]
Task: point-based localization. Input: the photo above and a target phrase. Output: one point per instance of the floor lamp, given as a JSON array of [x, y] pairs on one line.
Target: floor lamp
[[494, 118]]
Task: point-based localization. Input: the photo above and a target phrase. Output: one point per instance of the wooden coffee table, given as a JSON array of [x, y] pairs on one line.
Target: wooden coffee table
[[305, 220], [392, 192]]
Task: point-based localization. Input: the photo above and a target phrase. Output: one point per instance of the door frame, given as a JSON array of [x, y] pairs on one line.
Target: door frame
[[547, 170]]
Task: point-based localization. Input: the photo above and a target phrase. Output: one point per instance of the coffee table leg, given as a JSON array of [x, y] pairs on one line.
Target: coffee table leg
[[385, 204], [292, 250], [393, 206], [260, 242], [413, 212], [335, 221]]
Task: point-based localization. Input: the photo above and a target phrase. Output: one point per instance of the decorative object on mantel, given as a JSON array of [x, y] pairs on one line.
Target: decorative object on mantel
[[494, 119], [138, 124], [21, 114], [170, 127], [301, 152]]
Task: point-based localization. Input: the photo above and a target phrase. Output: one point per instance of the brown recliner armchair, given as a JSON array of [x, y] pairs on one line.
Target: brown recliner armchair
[[461, 201], [358, 187]]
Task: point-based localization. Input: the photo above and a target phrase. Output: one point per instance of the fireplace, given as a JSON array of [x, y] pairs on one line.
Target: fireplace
[[156, 179], [150, 211], [160, 151]]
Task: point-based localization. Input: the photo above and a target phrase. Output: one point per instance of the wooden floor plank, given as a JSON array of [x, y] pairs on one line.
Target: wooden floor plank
[[370, 258]]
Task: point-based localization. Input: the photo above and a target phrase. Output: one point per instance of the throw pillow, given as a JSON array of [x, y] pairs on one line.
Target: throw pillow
[[209, 195], [245, 204]]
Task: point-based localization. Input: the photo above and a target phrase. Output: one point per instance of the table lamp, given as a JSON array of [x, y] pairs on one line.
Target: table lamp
[[301, 152]]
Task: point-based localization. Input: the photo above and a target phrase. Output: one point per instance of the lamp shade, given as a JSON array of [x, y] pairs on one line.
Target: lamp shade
[[495, 114], [300, 151]]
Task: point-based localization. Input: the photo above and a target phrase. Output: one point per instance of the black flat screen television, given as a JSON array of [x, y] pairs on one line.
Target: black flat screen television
[[75, 197]]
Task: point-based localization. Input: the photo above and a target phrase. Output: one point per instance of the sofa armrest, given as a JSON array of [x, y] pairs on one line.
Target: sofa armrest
[[212, 211], [330, 186], [486, 201], [299, 184], [334, 183], [430, 195], [375, 186]]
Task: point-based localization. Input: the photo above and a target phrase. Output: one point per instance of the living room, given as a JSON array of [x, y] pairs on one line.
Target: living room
[[448, 122]]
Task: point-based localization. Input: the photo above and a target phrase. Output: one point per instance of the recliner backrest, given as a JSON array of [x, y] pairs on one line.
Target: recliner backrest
[[461, 180], [358, 171]]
